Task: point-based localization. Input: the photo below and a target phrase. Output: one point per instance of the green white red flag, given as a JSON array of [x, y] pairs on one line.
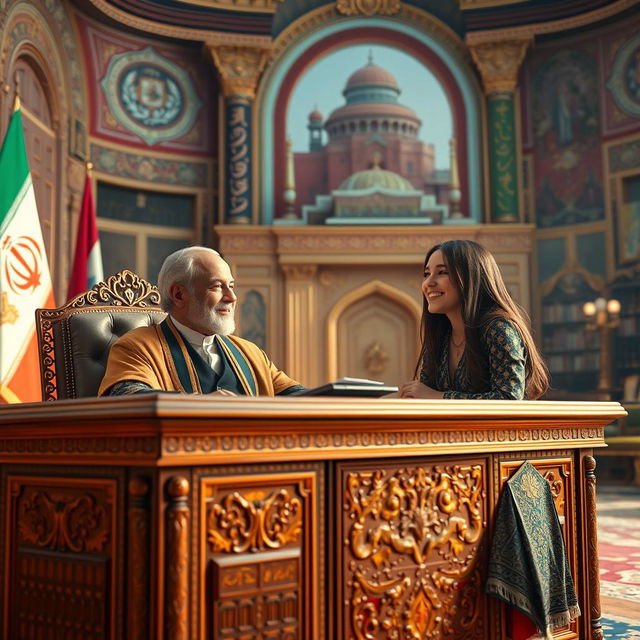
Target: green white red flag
[[25, 283]]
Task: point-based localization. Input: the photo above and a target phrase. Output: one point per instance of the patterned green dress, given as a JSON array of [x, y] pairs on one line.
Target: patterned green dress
[[502, 344]]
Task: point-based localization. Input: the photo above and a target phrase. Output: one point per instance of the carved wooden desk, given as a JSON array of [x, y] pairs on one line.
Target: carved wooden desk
[[179, 518]]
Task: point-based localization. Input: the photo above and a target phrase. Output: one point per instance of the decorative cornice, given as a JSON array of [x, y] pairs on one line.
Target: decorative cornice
[[465, 5], [356, 442], [499, 62], [179, 32], [401, 242], [552, 26], [255, 6]]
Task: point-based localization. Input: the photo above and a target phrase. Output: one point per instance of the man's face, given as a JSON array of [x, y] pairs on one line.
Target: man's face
[[209, 303]]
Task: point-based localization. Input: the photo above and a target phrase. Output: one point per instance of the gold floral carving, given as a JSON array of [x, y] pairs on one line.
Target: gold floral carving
[[64, 522], [413, 536], [239, 67], [499, 63], [238, 523], [375, 358], [368, 7], [122, 289]]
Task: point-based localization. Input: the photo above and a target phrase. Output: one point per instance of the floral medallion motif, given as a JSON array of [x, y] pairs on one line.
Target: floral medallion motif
[[624, 83], [151, 96]]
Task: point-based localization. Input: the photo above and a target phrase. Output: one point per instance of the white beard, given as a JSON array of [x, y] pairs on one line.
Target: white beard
[[210, 318]]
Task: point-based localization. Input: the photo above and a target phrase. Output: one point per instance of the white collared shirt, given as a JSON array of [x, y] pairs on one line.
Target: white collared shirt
[[204, 345]]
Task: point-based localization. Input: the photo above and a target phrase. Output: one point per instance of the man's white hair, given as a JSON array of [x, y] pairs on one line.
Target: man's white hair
[[179, 268]]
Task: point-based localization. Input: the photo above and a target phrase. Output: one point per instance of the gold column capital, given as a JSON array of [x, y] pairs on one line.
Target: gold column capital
[[300, 272], [499, 62], [239, 67]]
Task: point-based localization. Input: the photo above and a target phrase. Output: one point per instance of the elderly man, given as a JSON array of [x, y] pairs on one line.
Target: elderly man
[[192, 350]]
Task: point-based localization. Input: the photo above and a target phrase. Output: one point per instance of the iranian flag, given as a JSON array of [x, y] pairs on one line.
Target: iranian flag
[[25, 283], [87, 263]]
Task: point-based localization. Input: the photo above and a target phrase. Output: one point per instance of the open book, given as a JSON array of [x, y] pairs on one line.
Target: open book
[[354, 387]]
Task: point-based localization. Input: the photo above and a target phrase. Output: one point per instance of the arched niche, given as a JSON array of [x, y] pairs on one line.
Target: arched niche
[[373, 332], [412, 30]]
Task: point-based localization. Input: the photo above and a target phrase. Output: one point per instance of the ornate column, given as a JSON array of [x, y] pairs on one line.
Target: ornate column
[[239, 68], [177, 554], [592, 555], [499, 63], [301, 356]]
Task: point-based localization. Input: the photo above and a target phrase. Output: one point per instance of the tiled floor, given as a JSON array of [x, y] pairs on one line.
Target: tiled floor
[[619, 551]]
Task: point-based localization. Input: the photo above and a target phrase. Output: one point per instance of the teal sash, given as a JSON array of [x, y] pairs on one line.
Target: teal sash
[[237, 374]]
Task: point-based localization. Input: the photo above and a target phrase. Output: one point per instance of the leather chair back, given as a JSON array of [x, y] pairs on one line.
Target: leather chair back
[[74, 340]]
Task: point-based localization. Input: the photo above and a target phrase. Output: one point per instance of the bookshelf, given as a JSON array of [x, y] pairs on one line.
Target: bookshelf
[[571, 351], [626, 288]]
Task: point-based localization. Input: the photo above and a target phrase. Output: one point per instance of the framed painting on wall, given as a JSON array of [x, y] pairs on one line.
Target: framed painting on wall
[[629, 220]]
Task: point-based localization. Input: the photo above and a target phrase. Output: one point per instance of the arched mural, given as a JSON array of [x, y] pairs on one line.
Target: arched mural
[[436, 47]]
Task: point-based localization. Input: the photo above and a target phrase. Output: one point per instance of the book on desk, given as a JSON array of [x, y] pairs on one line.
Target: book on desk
[[350, 387]]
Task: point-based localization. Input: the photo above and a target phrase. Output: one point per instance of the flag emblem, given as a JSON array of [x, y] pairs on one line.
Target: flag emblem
[[22, 264]]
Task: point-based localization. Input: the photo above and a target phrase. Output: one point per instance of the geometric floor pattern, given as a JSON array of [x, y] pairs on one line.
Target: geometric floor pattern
[[618, 515]]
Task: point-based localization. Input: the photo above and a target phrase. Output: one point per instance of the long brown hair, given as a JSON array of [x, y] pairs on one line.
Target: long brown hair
[[484, 297]]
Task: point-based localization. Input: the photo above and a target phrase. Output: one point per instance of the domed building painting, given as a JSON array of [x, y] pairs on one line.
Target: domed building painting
[[373, 168]]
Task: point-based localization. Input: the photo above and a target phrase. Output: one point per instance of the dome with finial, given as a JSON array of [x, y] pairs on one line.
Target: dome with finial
[[315, 116], [371, 95], [376, 177], [372, 75], [371, 83]]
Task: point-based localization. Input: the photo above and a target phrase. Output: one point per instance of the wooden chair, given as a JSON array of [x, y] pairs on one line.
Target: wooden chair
[[74, 340]]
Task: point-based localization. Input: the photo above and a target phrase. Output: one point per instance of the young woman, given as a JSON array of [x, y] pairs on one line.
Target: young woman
[[476, 342]]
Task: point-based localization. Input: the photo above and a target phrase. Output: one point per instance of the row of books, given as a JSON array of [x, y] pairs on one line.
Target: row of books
[[563, 312], [570, 338], [574, 362], [630, 301], [629, 326]]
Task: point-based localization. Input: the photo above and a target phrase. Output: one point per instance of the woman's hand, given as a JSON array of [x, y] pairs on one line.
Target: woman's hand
[[415, 389], [223, 392]]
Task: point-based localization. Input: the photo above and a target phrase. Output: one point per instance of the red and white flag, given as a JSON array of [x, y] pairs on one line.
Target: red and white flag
[[25, 283], [87, 262]]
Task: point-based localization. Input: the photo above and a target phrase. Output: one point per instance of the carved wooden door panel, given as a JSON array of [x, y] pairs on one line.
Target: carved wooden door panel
[[377, 338], [62, 562], [410, 550], [260, 556], [559, 473]]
